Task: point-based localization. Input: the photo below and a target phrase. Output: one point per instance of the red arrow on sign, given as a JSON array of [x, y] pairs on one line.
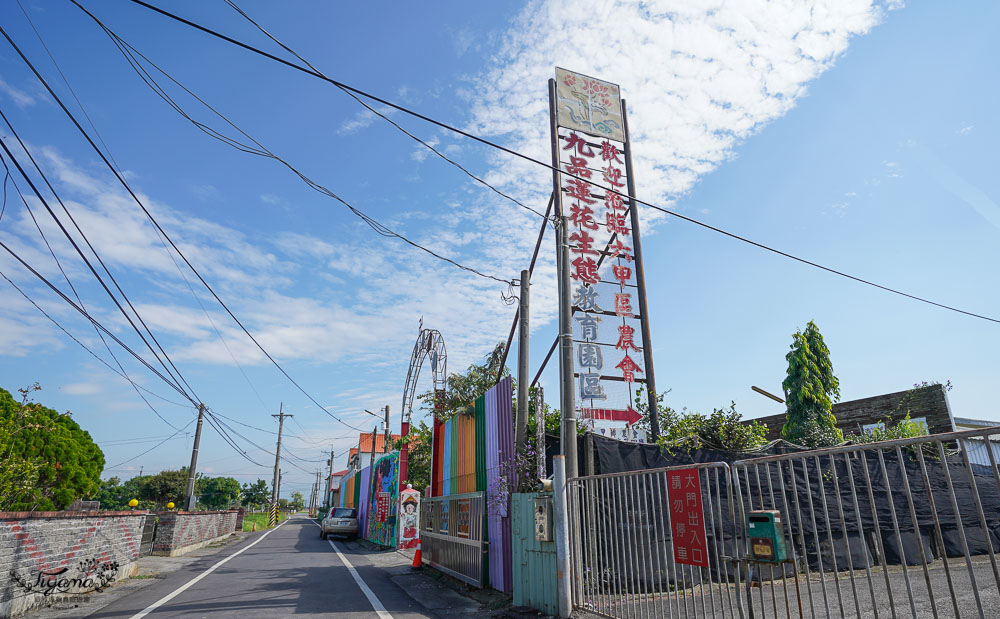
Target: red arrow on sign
[[629, 415]]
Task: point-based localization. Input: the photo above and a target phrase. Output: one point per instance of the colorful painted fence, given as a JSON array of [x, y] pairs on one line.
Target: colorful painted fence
[[375, 496], [474, 452]]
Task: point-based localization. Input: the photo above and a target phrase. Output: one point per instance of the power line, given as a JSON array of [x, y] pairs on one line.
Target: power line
[[158, 236], [48, 52], [515, 153], [123, 373], [149, 215], [94, 321], [217, 425], [384, 117], [108, 468], [130, 53], [95, 355], [79, 251], [231, 429]]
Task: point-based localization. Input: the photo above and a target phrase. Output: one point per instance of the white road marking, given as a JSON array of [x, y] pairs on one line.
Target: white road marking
[[187, 585], [376, 604]]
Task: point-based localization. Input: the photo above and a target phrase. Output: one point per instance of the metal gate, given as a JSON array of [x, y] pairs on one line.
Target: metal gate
[[902, 528], [451, 535], [894, 529], [622, 548], [148, 533]]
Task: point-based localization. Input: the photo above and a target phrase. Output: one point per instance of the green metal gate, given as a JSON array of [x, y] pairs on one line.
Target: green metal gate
[[534, 561]]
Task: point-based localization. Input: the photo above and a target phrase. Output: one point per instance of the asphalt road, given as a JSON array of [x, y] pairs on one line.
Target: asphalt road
[[286, 571]]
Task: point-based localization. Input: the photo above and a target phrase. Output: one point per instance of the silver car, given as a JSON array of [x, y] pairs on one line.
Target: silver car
[[340, 521]]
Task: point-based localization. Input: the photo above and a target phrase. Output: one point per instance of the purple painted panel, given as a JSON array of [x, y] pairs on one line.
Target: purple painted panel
[[366, 475], [505, 423], [499, 459], [493, 456]]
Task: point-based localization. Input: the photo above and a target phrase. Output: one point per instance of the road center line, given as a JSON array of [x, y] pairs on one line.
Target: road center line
[[372, 598], [188, 584]]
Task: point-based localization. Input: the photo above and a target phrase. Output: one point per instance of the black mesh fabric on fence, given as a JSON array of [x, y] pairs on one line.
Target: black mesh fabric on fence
[[801, 487]]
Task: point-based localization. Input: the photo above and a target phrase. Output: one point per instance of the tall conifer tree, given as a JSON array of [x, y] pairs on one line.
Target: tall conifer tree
[[810, 389]]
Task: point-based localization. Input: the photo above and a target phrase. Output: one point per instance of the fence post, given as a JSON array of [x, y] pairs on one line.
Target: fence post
[[563, 569]]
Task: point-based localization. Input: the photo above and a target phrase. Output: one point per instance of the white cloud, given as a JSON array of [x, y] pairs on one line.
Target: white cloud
[[462, 39], [422, 152], [362, 120], [81, 389], [966, 130], [699, 77], [20, 98]]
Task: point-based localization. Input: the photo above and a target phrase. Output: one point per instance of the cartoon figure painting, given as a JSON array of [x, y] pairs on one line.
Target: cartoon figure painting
[[409, 517]]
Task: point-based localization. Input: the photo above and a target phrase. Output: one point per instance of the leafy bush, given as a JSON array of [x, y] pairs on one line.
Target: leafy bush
[[723, 429], [890, 432]]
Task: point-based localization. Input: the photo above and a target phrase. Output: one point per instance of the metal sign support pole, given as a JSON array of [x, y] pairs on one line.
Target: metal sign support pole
[[561, 517], [640, 281], [567, 400]]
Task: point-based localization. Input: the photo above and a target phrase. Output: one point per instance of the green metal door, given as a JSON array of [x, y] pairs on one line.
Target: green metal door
[[534, 561]]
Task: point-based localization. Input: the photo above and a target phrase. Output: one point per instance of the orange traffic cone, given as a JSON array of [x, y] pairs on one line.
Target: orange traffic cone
[[255, 527], [417, 559]]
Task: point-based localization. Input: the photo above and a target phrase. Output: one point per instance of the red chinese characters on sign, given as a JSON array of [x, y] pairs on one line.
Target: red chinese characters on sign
[[382, 505], [687, 517]]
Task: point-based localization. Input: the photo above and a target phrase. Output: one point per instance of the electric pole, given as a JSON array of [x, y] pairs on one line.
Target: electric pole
[[374, 434], [277, 453], [385, 443], [327, 494], [189, 493], [523, 380], [314, 502]]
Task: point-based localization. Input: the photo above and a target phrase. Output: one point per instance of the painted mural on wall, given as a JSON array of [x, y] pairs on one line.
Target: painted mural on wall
[[383, 501], [409, 517]]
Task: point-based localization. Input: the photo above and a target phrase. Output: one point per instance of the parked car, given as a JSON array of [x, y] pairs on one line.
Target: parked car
[[340, 521]]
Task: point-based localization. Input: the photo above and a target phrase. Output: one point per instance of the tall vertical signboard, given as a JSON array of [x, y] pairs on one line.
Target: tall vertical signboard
[[612, 355]]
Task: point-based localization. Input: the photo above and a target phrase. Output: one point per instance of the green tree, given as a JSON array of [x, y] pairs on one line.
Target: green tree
[[164, 487], [50, 450], [18, 476], [463, 389], [114, 494], [256, 494], [297, 501], [418, 456], [218, 492], [810, 390]]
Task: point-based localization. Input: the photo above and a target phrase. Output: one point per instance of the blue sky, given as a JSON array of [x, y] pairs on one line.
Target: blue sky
[[856, 135]]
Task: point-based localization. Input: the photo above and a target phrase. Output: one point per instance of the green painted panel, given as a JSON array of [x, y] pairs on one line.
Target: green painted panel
[[480, 445], [534, 561], [357, 492]]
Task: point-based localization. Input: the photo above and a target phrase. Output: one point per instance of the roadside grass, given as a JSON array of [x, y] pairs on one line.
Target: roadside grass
[[260, 519]]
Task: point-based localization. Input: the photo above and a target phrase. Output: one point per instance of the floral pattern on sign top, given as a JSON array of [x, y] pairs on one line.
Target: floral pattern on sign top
[[589, 104]]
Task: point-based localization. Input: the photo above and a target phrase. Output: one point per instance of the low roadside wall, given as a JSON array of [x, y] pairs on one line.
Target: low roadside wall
[[46, 556], [181, 532]]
